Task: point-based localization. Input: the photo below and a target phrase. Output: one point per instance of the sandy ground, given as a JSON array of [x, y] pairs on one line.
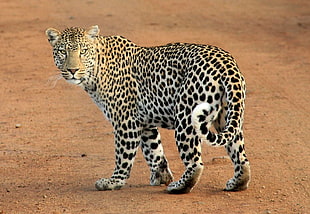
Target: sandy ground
[[55, 143]]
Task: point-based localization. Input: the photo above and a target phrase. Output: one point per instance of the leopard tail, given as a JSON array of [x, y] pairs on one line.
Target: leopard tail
[[205, 114]]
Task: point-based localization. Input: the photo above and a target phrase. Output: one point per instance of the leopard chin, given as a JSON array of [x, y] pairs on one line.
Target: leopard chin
[[75, 81]]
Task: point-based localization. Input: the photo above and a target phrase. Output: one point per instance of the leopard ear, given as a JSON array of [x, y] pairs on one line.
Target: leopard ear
[[52, 35], [93, 32]]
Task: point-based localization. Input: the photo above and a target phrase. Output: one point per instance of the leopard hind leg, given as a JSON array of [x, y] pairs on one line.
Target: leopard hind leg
[[189, 148], [235, 150], [242, 172]]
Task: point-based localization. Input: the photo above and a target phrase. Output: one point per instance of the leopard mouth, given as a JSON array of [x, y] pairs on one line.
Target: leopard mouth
[[78, 81], [74, 80]]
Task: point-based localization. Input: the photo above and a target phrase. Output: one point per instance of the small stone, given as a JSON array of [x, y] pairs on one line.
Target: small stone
[[18, 125]]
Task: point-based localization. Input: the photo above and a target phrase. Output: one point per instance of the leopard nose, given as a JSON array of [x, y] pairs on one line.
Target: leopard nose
[[73, 71]]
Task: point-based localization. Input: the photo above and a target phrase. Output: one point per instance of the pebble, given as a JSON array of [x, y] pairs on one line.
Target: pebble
[[18, 125]]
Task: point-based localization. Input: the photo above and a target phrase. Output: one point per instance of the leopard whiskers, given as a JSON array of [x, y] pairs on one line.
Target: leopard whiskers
[[52, 81]]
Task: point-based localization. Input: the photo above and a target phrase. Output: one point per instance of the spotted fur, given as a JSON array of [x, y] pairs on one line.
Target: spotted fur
[[180, 86]]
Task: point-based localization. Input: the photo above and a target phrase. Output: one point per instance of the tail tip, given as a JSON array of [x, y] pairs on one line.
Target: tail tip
[[201, 114], [201, 109]]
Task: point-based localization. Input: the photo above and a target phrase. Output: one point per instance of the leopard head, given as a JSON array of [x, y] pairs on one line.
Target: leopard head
[[74, 52]]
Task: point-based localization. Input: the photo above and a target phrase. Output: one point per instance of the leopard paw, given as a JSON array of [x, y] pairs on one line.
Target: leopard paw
[[161, 177], [109, 184]]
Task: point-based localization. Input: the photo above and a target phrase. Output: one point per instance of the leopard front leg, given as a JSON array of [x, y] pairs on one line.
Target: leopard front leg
[[126, 144], [153, 152]]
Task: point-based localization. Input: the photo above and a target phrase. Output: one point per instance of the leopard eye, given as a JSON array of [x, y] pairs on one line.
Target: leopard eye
[[83, 51], [62, 51]]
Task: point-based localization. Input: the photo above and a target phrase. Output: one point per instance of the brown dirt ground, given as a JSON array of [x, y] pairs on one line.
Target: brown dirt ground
[[43, 169]]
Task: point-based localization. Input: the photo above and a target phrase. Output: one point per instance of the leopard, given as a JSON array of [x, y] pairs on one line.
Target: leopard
[[194, 89]]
